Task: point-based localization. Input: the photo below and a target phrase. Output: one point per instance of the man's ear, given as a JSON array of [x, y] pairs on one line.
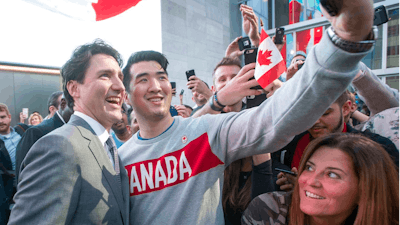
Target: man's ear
[[73, 90], [346, 108], [128, 127], [52, 109]]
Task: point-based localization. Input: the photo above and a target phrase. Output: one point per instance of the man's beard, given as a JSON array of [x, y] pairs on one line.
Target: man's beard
[[5, 129], [339, 128]]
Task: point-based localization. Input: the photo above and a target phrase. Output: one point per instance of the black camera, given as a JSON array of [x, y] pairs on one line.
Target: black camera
[[380, 15], [244, 43]]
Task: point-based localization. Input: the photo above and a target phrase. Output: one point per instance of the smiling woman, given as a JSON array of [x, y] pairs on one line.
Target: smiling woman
[[344, 179]]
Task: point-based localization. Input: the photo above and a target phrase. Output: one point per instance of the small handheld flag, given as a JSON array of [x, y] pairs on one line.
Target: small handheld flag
[[270, 64]]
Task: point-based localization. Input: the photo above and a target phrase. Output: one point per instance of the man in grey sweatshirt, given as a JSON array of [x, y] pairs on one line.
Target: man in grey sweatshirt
[[175, 165]]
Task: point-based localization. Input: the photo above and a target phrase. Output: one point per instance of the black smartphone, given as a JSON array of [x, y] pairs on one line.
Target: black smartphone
[[244, 43], [253, 101], [333, 7], [182, 92], [250, 56], [190, 73], [380, 15], [286, 171], [173, 85], [280, 32], [301, 65]]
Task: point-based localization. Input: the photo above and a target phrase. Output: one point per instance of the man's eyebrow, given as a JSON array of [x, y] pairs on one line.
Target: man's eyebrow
[[141, 75], [106, 71], [161, 72]]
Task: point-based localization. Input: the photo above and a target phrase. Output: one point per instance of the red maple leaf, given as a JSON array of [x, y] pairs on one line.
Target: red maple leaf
[[263, 57]]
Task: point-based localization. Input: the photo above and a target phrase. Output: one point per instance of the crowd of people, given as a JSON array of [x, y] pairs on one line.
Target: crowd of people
[[113, 150]]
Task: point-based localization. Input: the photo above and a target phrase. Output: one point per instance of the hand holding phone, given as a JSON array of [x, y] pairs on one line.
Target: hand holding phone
[[190, 73], [286, 171], [182, 92], [286, 180], [244, 43], [280, 32]]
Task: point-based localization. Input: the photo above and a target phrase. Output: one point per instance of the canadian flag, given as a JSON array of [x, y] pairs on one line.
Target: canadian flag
[[88, 10], [270, 64]]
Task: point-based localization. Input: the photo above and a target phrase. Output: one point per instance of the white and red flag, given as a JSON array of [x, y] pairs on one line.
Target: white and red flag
[[270, 64], [88, 10]]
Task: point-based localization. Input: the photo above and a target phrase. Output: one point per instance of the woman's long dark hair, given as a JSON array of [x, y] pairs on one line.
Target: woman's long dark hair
[[237, 199]]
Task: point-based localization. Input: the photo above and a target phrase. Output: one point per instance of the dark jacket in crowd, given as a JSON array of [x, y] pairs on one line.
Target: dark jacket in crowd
[[32, 135], [6, 181]]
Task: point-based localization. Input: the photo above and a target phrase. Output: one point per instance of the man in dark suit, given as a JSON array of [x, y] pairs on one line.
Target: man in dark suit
[[72, 175], [34, 133]]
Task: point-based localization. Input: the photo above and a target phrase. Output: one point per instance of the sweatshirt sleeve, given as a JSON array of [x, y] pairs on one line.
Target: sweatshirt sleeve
[[377, 95], [293, 108]]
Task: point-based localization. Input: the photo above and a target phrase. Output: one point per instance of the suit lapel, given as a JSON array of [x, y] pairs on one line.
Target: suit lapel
[[102, 159], [57, 121]]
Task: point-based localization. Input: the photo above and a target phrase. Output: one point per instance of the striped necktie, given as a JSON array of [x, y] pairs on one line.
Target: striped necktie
[[114, 152]]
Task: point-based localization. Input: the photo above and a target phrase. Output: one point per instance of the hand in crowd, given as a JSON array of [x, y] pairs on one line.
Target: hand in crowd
[[293, 68], [181, 99], [182, 111], [354, 21], [197, 85], [272, 87], [233, 49], [239, 86], [250, 24], [286, 181], [279, 46], [22, 117]]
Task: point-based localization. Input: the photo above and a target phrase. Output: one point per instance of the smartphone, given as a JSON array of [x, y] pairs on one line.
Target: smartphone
[[244, 43], [190, 73], [173, 85], [380, 15], [182, 92], [333, 7], [25, 112], [250, 56], [286, 171], [255, 100], [301, 65], [280, 32]]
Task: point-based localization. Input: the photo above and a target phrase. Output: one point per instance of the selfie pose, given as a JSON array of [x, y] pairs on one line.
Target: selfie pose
[[343, 179]]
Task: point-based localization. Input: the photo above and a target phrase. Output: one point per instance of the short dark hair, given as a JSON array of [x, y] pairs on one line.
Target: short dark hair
[[343, 98], [53, 100], [228, 61], [75, 68], [140, 57]]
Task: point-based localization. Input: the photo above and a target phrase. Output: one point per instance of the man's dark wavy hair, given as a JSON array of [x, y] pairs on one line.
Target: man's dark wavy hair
[[140, 57], [75, 68]]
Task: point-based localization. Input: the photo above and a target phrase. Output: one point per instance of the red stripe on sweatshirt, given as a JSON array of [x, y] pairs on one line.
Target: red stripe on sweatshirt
[[172, 168]]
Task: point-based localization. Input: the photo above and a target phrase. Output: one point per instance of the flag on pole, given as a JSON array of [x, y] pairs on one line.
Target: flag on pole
[[87, 10], [270, 64]]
